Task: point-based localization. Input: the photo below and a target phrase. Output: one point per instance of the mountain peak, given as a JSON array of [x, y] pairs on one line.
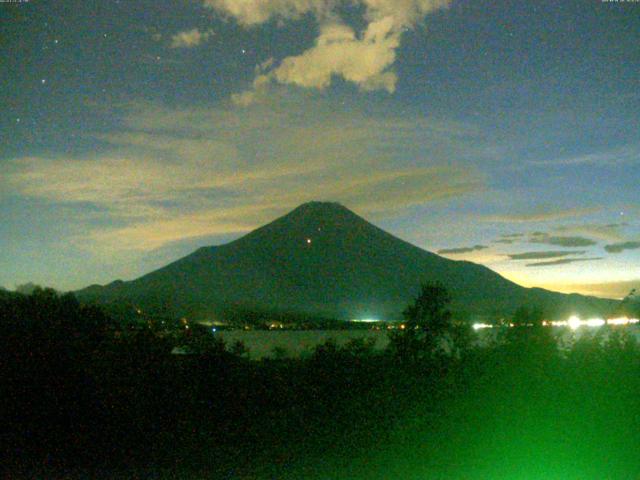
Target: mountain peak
[[320, 213], [323, 259], [321, 207], [309, 220]]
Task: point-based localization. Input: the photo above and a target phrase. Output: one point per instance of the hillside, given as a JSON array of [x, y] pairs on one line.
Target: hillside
[[322, 259]]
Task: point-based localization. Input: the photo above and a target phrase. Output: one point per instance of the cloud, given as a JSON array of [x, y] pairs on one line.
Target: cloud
[[364, 58], [509, 238], [560, 241], [562, 261], [540, 216], [619, 247], [628, 154], [611, 232], [454, 251], [190, 38], [338, 51], [156, 232], [254, 12], [170, 174], [545, 254]]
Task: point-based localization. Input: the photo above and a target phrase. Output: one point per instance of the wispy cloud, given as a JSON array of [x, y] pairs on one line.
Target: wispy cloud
[[454, 251], [562, 261], [190, 38], [545, 254], [540, 216], [628, 154], [172, 174], [509, 238], [619, 247], [560, 241], [611, 232]]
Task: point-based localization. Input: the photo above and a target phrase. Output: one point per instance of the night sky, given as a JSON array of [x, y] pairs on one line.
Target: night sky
[[502, 132]]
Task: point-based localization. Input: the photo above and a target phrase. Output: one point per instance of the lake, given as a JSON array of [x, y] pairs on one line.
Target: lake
[[261, 343]]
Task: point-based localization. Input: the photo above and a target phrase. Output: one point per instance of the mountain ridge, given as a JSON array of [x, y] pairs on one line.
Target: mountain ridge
[[323, 259]]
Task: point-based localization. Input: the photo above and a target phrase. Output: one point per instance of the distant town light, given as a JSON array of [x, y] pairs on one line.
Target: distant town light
[[594, 322], [622, 321], [574, 322], [618, 321], [480, 326], [365, 320]]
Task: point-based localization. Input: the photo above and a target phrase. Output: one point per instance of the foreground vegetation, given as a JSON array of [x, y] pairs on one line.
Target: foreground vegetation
[[81, 402]]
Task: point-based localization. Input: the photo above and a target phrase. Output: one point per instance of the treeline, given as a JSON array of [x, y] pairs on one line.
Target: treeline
[[82, 402]]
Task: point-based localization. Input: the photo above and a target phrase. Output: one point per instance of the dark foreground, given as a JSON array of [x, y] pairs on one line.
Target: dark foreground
[[80, 403]]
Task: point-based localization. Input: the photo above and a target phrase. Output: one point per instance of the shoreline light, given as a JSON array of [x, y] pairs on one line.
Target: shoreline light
[[365, 320], [480, 326], [622, 321], [574, 322]]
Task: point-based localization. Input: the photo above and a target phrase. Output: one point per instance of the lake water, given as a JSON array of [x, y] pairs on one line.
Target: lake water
[[262, 343]]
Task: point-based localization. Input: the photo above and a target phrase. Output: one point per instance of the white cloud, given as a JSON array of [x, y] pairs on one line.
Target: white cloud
[[190, 38], [363, 61], [253, 12], [364, 58], [405, 13]]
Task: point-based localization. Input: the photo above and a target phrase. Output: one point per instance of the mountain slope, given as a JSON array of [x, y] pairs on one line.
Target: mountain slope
[[323, 259]]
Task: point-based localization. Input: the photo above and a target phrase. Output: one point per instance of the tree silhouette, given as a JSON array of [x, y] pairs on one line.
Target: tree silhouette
[[528, 335], [428, 324]]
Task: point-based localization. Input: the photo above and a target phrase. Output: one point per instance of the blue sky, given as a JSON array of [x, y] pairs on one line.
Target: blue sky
[[505, 133]]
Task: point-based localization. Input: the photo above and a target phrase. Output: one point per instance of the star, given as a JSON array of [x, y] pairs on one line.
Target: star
[[56, 41], [43, 81], [244, 51]]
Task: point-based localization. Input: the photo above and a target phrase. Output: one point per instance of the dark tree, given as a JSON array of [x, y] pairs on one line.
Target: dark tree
[[428, 324], [430, 310], [527, 334]]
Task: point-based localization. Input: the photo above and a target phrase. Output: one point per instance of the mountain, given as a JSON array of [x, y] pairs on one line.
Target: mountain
[[322, 259]]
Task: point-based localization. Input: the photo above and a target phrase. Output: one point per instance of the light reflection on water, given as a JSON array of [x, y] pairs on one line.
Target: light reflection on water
[[262, 343]]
